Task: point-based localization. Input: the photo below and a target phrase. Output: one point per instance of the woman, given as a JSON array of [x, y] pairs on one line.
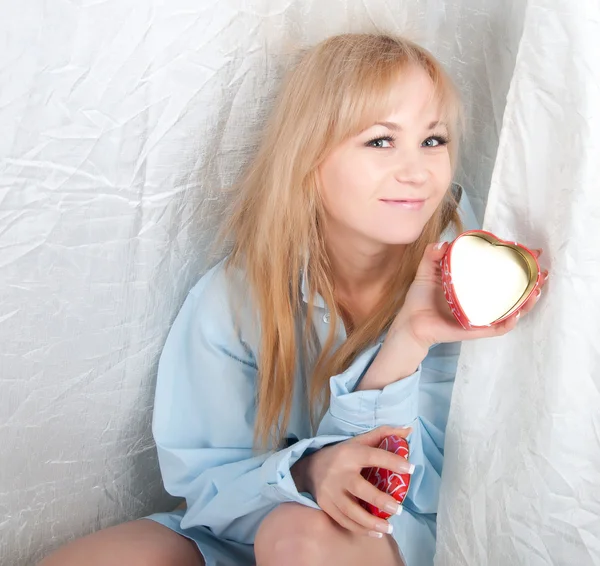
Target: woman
[[323, 331]]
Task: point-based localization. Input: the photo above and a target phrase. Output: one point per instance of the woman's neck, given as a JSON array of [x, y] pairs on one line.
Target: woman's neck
[[361, 271]]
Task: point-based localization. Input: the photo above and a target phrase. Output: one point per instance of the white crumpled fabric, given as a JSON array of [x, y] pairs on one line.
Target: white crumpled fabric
[[522, 470], [122, 120]]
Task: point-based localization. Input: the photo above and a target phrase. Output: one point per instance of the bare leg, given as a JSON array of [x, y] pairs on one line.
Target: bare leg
[[295, 535], [138, 543]]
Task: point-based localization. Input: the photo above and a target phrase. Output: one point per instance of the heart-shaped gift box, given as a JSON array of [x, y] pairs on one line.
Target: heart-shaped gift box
[[486, 279], [391, 482]]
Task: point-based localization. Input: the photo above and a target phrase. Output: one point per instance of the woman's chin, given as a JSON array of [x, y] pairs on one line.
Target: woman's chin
[[399, 238]]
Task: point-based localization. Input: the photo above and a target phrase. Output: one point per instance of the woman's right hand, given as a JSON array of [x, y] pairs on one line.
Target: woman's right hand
[[332, 475]]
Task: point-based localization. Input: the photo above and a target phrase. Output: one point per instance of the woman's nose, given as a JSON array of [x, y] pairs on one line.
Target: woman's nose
[[411, 170]]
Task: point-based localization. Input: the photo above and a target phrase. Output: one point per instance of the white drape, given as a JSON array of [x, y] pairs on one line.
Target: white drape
[[121, 120], [522, 474]]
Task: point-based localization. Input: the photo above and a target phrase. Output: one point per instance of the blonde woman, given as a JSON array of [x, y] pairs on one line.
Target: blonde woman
[[323, 331]]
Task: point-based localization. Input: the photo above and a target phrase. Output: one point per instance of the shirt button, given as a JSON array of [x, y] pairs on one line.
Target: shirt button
[[326, 318]]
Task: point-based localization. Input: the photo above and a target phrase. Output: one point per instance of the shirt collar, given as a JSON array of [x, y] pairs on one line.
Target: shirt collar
[[318, 301]]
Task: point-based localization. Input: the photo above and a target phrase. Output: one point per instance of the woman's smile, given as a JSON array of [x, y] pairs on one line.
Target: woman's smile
[[405, 204]]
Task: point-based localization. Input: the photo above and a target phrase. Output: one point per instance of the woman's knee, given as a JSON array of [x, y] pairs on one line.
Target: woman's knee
[[137, 543], [291, 535]]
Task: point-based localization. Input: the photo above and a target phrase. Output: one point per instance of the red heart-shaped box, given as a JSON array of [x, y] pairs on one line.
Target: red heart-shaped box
[[391, 482], [486, 279]]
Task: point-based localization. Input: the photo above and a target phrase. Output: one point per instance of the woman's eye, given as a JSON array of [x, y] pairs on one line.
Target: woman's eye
[[434, 141], [379, 142]]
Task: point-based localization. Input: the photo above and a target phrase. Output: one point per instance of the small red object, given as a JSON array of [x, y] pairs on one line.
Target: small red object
[[391, 482], [487, 280]]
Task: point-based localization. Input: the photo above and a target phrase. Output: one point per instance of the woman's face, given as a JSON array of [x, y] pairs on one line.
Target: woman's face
[[383, 185]]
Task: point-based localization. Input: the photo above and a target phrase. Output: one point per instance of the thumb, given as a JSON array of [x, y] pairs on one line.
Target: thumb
[[375, 436], [430, 263]]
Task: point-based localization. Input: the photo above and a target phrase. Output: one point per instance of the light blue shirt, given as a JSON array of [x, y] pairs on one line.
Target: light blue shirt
[[205, 409]]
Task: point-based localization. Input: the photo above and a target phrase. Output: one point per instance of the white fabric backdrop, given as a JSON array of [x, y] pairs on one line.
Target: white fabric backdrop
[[120, 122], [522, 476]]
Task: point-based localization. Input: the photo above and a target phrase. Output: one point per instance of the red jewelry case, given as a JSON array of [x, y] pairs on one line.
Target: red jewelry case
[[391, 482]]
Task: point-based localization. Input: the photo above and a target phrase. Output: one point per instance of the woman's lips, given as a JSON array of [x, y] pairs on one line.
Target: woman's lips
[[407, 204]]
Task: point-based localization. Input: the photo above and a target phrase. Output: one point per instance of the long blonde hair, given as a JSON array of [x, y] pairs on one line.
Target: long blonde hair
[[339, 88]]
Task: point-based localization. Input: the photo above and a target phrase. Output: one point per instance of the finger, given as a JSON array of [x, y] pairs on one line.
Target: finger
[[537, 252], [506, 326], [535, 296], [544, 278], [336, 512], [493, 331], [350, 507], [532, 301], [376, 458], [430, 263], [366, 491], [375, 436]]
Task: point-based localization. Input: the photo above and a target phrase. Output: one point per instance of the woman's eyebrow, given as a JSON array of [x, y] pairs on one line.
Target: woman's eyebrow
[[397, 127]]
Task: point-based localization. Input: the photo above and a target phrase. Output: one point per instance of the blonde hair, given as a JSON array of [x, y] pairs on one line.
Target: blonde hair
[[339, 88]]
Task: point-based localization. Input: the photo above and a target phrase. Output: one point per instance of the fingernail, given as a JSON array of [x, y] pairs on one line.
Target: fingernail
[[408, 430], [373, 534], [518, 316], [387, 528], [411, 469], [539, 294], [439, 245], [393, 508]]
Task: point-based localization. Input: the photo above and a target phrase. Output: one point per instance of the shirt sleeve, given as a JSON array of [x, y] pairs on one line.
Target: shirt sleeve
[[203, 423]]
